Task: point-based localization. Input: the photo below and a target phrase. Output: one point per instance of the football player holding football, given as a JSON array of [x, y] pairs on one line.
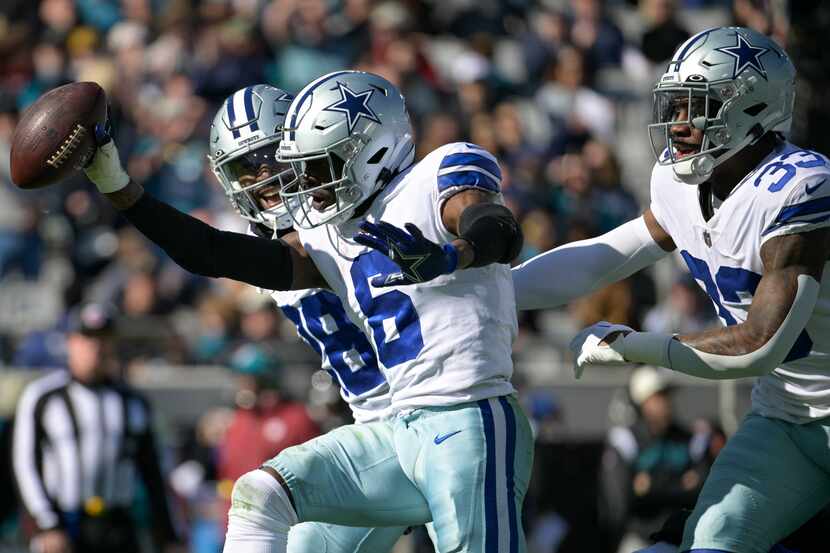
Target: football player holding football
[[458, 448]]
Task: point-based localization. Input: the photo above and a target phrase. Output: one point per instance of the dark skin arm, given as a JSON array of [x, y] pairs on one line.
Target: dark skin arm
[[451, 216], [660, 236], [784, 258], [304, 272]]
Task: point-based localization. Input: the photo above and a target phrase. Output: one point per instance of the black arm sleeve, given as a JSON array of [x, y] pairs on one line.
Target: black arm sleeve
[[492, 231], [204, 250]]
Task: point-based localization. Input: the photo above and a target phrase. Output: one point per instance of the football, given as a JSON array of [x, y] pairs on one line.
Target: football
[[54, 137]]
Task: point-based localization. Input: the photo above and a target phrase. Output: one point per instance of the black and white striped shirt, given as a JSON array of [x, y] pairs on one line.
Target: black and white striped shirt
[[73, 443]]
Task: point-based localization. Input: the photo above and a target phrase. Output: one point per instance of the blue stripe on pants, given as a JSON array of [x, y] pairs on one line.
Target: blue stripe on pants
[[510, 454], [491, 516]]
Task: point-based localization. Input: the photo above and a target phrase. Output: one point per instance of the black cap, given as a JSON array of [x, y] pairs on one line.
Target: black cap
[[92, 319]]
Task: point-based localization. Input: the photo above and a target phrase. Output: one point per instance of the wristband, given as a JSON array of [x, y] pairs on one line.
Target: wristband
[[651, 348], [452, 257]]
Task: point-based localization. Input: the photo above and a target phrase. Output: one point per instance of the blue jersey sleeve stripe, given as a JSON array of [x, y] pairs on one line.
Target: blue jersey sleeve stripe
[[812, 220], [805, 208], [794, 213], [462, 168], [471, 158], [470, 178]]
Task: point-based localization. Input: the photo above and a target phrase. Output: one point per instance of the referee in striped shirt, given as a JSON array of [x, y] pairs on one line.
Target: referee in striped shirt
[[81, 438]]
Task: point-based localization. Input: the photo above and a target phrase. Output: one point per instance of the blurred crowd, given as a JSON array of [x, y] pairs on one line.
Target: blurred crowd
[[558, 90]]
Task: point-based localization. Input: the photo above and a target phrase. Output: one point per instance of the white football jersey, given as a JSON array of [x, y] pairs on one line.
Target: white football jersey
[[787, 193], [444, 342], [344, 350]]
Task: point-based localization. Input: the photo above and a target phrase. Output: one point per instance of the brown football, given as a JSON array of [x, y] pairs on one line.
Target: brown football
[[54, 137]]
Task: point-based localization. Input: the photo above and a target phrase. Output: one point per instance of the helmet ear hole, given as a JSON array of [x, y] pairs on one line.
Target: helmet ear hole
[[755, 109], [375, 159], [337, 164]]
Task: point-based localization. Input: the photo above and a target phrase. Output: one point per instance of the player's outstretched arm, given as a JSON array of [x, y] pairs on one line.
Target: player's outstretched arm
[[487, 233], [559, 276], [781, 307], [194, 245]]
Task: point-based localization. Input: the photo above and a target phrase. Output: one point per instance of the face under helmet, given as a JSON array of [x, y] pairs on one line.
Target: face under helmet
[[244, 137], [732, 83], [353, 125]]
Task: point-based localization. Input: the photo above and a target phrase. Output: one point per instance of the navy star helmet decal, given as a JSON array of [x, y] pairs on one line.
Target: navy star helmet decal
[[354, 105], [745, 56]]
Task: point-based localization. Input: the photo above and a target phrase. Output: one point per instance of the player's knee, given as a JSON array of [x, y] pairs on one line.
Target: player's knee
[[258, 498], [715, 524], [716, 521], [260, 515], [308, 538]]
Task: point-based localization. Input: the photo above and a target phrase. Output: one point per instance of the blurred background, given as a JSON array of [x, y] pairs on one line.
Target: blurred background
[[558, 90]]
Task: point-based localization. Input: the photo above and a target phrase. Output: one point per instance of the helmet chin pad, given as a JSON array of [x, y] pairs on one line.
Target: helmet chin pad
[[276, 219], [696, 170], [699, 168]]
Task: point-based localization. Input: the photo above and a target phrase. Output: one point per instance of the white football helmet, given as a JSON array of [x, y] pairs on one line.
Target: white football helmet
[[354, 123], [734, 84], [243, 138]]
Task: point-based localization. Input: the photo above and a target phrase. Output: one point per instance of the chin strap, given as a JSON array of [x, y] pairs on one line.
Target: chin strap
[[695, 171], [698, 170]]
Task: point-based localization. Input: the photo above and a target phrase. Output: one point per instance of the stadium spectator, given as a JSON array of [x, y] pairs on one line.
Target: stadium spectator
[[648, 469], [684, 310], [663, 32], [217, 320], [80, 438], [265, 421], [596, 34], [571, 103]]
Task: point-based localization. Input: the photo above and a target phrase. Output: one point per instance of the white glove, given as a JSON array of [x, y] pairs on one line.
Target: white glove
[[588, 351], [105, 169]]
